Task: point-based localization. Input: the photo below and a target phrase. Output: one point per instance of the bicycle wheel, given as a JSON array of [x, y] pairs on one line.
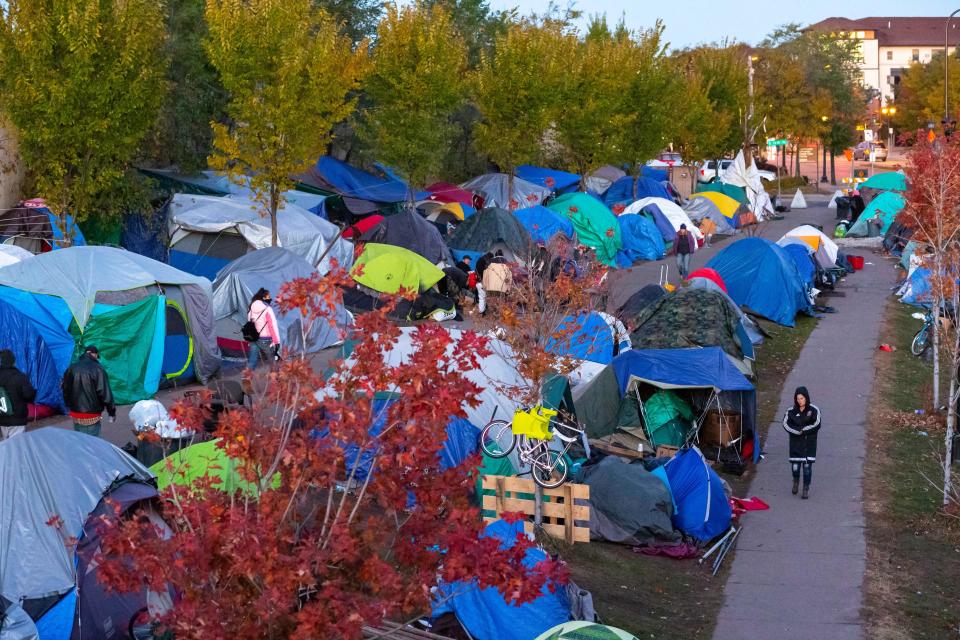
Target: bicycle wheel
[[549, 469], [919, 344], [497, 439]]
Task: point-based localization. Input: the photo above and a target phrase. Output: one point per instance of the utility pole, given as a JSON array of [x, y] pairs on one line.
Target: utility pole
[[946, 69], [747, 143]]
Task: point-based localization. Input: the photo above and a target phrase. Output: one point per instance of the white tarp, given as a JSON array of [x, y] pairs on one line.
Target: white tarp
[[298, 230], [833, 200], [495, 189], [798, 202], [738, 174], [11, 254], [670, 210]]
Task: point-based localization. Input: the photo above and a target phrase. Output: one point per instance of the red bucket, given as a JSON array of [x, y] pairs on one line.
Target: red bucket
[[856, 262]]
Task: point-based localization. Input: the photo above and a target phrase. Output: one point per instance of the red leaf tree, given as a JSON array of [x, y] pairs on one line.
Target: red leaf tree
[[327, 549]]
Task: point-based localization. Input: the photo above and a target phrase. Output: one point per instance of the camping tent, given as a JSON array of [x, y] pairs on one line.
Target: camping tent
[[670, 211], [149, 320], [496, 192], [749, 324], [544, 223], [411, 231], [201, 460], [640, 238], [585, 336], [80, 480], [32, 226], [388, 269], [491, 229], [803, 259], [639, 300], [600, 180], [362, 192], [699, 209], [270, 268], [446, 193], [727, 204], [917, 290], [595, 224], [552, 179], [451, 212], [824, 249], [33, 355], [703, 510], [11, 253], [362, 225], [207, 232], [885, 206], [762, 277], [735, 193], [709, 274], [622, 191], [886, 181]]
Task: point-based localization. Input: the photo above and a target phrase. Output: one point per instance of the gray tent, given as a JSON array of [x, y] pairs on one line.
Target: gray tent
[[270, 268], [495, 190], [411, 231], [491, 229], [700, 208], [601, 179]]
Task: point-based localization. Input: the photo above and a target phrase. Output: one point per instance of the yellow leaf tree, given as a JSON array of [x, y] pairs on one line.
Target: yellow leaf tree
[[291, 76]]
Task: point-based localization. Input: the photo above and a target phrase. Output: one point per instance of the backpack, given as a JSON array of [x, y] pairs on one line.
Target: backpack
[[249, 329]]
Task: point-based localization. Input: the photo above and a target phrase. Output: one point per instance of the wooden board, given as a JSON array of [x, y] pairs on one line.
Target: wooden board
[[561, 512]]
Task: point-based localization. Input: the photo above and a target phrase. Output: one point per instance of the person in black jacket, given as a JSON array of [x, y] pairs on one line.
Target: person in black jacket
[[16, 393], [86, 392], [802, 422]]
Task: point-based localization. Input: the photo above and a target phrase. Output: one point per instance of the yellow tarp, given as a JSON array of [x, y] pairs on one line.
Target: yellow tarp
[[727, 205]]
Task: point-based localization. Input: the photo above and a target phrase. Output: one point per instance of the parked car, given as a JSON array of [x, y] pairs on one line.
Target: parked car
[[862, 151], [708, 169]]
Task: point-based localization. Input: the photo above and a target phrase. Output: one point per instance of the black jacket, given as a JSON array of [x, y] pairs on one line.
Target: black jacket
[[15, 392], [802, 427], [86, 388]]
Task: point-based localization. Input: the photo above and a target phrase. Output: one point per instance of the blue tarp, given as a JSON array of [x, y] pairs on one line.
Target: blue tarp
[[33, 357], [761, 276], [802, 260], [621, 191], [702, 507], [146, 235], [663, 224], [919, 294], [488, 616], [586, 336], [356, 183], [706, 367], [641, 239], [71, 224], [51, 317], [543, 223], [556, 181], [655, 173]]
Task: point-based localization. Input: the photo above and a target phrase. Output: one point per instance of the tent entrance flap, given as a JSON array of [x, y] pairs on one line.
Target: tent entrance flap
[[178, 343]]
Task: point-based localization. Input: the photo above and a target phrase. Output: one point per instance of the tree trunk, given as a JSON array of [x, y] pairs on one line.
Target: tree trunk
[[796, 158], [948, 438], [938, 304], [833, 170], [510, 203], [274, 207]]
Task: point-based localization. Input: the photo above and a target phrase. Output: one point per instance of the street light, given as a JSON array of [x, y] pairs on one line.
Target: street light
[[888, 111], [823, 178], [946, 67]]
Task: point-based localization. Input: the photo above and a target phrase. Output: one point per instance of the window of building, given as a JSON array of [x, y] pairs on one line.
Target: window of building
[[889, 55], [860, 35], [915, 54]]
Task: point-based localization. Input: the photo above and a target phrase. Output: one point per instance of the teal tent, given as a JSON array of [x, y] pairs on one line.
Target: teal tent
[[595, 224], [886, 206], [737, 193], [887, 181]]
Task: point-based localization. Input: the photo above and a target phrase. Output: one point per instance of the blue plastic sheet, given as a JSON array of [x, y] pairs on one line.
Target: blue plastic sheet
[[920, 293], [557, 181], [621, 191], [801, 259], [145, 235], [704, 367], [356, 183], [586, 336], [641, 239], [33, 357], [655, 173], [702, 507], [544, 223]]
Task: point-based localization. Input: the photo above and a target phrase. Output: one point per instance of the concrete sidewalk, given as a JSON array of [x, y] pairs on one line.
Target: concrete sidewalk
[[799, 567]]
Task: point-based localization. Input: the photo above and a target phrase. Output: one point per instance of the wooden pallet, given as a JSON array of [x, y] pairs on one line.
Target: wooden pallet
[[566, 514]]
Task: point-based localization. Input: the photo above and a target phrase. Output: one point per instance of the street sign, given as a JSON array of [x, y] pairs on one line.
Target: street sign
[[860, 174], [774, 142], [868, 135], [861, 127]]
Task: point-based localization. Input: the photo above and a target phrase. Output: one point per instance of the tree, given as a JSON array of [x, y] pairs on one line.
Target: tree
[[933, 211], [415, 86], [475, 24], [358, 19], [84, 82], [342, 525], [290, 75]]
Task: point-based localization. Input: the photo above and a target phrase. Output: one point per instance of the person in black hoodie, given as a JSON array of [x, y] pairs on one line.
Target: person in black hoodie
[[86, 392], [16, 393], [802, 422]]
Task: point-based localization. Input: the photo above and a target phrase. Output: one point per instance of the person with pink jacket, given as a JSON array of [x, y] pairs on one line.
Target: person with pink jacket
[[263, 317]]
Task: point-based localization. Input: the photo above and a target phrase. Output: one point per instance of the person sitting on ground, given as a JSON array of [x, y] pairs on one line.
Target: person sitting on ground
[[87, 392], [261, 314], [16, 393], [802, 422]]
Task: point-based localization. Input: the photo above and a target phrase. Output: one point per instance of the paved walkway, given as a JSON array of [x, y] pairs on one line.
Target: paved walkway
[[799, 567]]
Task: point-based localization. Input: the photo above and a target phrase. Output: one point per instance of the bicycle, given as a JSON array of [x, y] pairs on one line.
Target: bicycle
[[921, 341], [530, 431]]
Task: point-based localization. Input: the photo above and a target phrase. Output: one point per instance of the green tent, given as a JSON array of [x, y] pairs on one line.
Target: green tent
[[595, 224], [737, 193], [199, 461], [668, 419], [886, 206], [387, 269], [887, 181], [580, 630]]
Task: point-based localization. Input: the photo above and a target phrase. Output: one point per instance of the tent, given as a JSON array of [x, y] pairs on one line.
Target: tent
[[34, 227], [149, 320], [824, 249], [622, 191], [640, 300], [451, 212], [271, 268], [81, 480], [803, 259], [446, 193], [201, 460], [886, 181], [661, 175], [362, 192], [885, 206], [11, 253], [552, 179], [600, 180], [754, 332], [699, 209], [798, 202], [641, 240], [580, 630], [491, 229], [738, 194], [495, 190], [585, 336], [362, 225], [33, 355], [761, 276], [917, 290], [388, 269], [595, 224], [703, 510], [207, 232], [709, 274], [670, 211], [740, 174], [728, 205], [543, 223], [411, 231]]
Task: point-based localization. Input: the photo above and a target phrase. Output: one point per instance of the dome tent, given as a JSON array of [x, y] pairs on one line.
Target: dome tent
[[411, 231], [824, 249], [641, 240], [491, 229], [595, 224], [543, 223], [668, 211], [495, 190], [885, 206]]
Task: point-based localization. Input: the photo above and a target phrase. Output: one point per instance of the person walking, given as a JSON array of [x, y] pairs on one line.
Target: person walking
[[684, 245], [267, 329], [16, 393], [802, 422], [86, 392]]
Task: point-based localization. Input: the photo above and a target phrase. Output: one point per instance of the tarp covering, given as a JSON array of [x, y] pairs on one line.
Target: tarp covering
[[552, 179], [641, 240], [492, 228], [918, 289], [543, 223], [703, 510], [411, 231], [446, 192], [11, 253], [388, 269], [747, 176], [628, 504], [272, 268], [622, 191], [487, 615], [887, 181], [36, 227], [58, 472], [704, 368], [760, 276], [823, 247], [595, 224], [738, 194], [699, 209], [667, 418], [352, 182], [32, 355], [670, 210], [885, 206], [495, 189], [585, 336]]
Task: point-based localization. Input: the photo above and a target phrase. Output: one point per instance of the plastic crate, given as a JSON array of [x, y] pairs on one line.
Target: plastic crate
[[533, 423]]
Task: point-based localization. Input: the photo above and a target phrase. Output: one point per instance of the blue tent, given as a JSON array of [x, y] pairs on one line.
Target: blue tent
[[663, 224], [655, 173], [487, 615], [590, 338], [800, 254], [702, 507], [33, 356], [761, 276], [621, 191], [356, 183], [919, 292], [641, 239], [556, 181], [543, 223]]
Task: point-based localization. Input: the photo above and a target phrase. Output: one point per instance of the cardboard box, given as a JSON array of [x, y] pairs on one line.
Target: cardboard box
[[720, 429], [666, 451], [624, 444]]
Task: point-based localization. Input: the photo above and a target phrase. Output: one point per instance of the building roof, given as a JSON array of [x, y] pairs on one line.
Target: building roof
[[895, 31]]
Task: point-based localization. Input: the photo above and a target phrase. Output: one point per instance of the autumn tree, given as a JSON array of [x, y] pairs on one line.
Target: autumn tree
[[414, 87], [290, 75], [83, 82], [350, 519], [357, 18], [919, 94]]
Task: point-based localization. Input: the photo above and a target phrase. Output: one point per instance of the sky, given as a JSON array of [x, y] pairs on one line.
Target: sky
[[691, 22]]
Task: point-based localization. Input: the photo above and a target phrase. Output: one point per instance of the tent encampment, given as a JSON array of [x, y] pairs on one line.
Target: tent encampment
[[761, 276], [884, 207], [595, 224], [543, 223], [411, 231], [495, 190], [491, 229], [34, 227], [640, 238]]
